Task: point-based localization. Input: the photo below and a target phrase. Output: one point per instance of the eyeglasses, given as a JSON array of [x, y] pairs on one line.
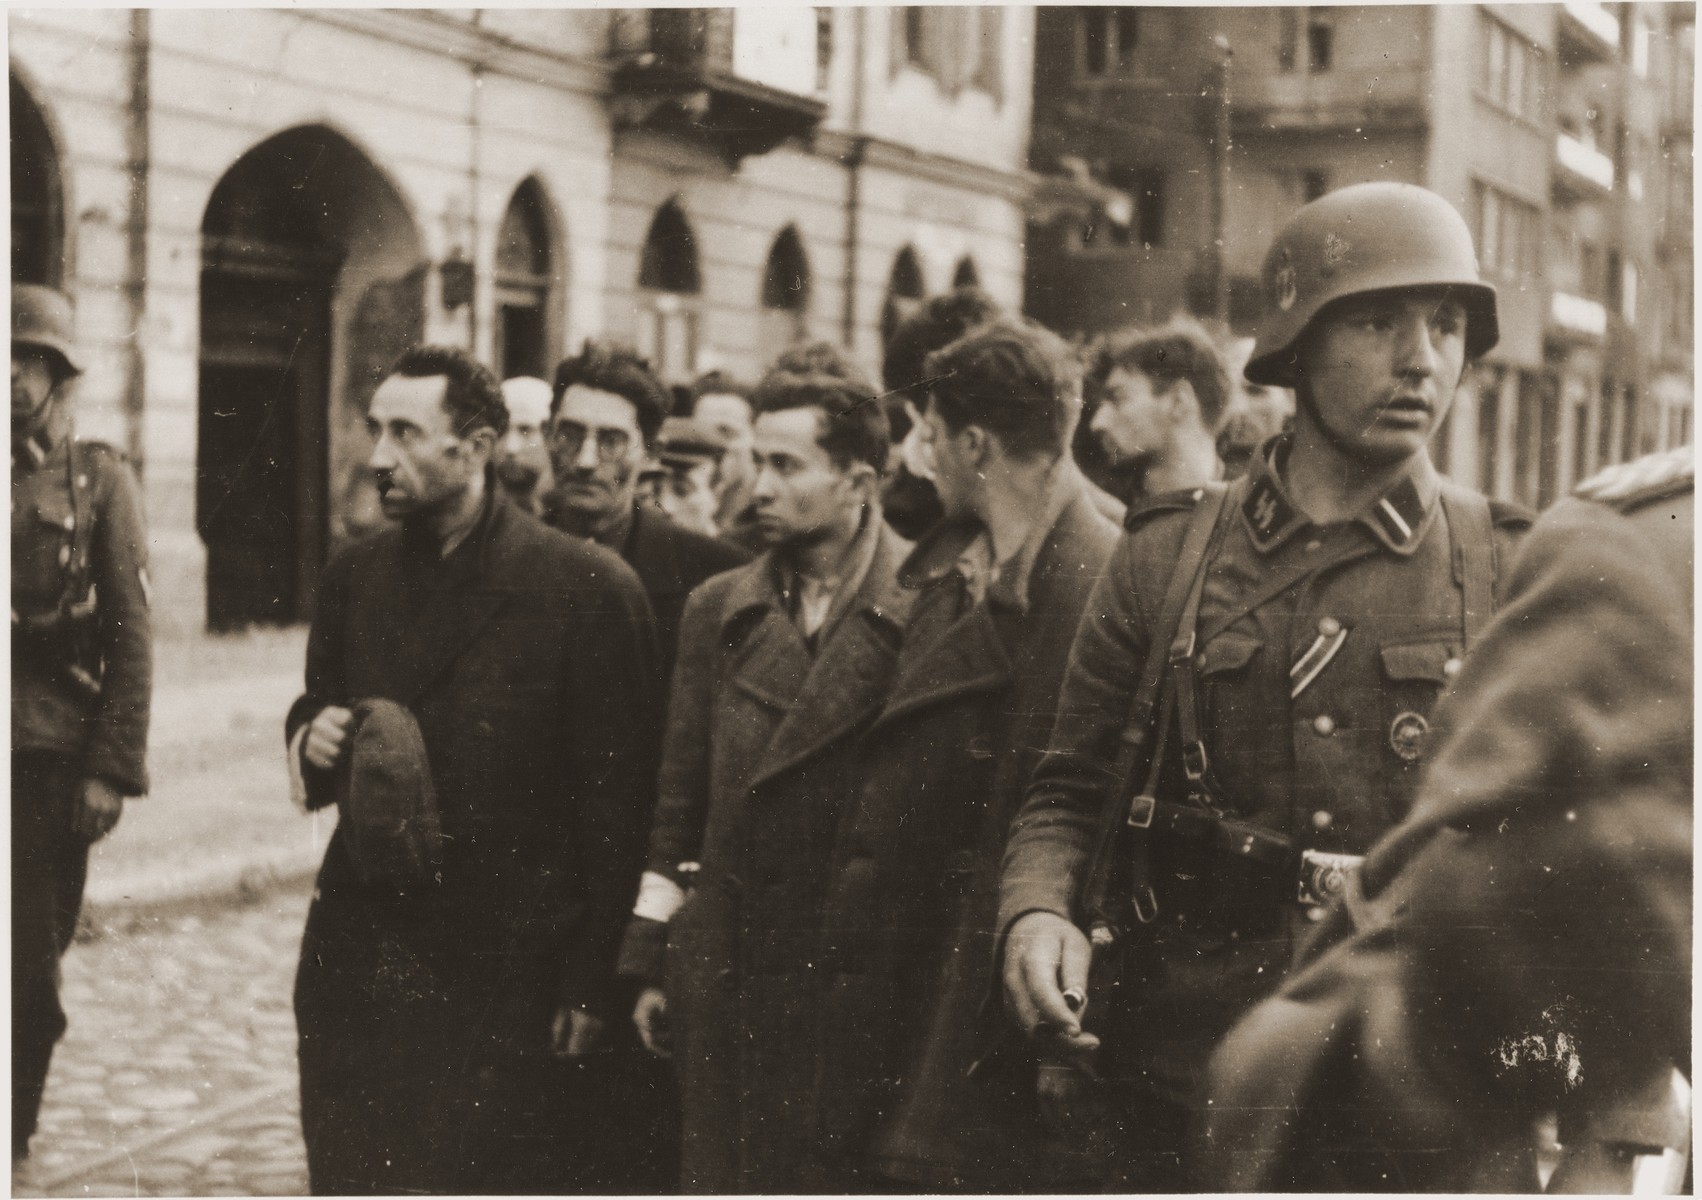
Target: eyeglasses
[[569, 438]]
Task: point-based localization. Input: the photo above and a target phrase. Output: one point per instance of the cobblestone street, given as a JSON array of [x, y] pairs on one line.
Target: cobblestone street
[[178, 1074]]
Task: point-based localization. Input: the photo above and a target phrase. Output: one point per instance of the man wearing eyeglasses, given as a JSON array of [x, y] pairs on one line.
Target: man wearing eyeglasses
[[606, 414]]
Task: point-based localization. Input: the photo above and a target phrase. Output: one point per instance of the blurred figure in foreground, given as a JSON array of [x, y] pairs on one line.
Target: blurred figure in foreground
[[1521, 945]]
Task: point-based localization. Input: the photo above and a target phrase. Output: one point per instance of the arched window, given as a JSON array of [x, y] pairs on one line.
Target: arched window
[[966, 275], [669, 281], [904, 292], [38, 206], [525, 282], [785, 294]]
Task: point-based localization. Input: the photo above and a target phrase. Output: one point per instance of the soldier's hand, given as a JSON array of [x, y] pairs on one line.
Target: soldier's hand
[[99, 805], [325, 737], [575, 1033], [650, 1014], [1045, 957]]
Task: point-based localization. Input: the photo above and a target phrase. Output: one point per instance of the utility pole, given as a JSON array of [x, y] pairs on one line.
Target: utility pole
[[1220, 182]]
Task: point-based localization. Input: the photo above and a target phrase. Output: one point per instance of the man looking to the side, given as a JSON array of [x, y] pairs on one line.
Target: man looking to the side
[[913, 894], [522, 665], [724, 406], [782, 664], [607, 413], [1162, 393]]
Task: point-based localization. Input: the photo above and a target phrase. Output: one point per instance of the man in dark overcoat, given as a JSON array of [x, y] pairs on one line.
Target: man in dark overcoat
[[82, 673], [1521, 946], [783, 663], [529, 661], [912, 901], [605, 418]]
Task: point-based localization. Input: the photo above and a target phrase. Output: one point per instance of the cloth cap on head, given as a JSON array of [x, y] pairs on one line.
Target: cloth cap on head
[[41, 317], [685, 441], [1367, 238], [526, 389]]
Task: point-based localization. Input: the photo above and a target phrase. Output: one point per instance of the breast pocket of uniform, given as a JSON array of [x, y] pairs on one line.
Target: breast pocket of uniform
[[1415, 673], [45, 560], [1225, 666]]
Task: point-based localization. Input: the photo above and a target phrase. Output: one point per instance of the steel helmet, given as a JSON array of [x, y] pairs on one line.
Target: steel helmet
[[41, 317], [1365, 238]]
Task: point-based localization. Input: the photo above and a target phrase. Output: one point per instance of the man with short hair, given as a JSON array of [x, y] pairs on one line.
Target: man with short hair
[[723, 404], [527, 662], [605, 418], [1162, 393], [1248, 701], [782, 664], [82, 672], [912, 901], [523, 463]]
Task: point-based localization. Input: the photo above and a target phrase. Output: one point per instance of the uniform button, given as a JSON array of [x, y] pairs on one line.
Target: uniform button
[[1329, 627], [1315, 913], [1314, 545], [1451, 668], [70, 523], [64, 555], [1322, 820], [1324, 724]]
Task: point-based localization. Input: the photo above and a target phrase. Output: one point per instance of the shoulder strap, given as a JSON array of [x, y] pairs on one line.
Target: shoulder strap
[[1471, 530], [1187, 575]]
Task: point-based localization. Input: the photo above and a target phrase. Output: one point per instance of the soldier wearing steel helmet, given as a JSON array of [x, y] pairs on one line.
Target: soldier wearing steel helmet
[[1248, 703], [81, 673]]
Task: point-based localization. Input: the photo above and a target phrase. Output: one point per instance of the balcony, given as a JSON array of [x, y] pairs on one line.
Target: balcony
[[1588, 33], [1577, 316], [1389, 99], [673, 73], [1581, 171]]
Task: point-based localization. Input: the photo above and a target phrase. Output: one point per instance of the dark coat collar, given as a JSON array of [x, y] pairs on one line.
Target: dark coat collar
[[1398, 519]]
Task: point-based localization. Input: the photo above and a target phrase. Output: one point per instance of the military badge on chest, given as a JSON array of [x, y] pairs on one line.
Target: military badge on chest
[[1408, 734]]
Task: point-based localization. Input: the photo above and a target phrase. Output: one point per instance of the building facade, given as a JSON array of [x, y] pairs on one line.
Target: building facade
[[1174, 142], [256, 210]]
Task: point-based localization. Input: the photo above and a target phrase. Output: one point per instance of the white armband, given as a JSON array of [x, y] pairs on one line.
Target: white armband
[[659, 897]]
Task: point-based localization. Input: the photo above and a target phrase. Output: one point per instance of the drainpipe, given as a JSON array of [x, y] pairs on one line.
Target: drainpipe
[[854, 181], [139, 149]]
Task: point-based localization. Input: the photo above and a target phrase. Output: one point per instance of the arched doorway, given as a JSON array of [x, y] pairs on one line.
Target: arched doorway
[[669, 282], [785, 295], [311, 284], [905, 290], [966, 275], [526, 278], [38, 200]]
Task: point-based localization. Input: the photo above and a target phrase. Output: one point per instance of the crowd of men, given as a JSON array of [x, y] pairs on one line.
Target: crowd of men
[[966, 783]]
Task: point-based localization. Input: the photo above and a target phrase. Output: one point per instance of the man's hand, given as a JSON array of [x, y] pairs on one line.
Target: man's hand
[[1045, 957], [650, 1014], [325, 737], [575, 1033], [99, 805]]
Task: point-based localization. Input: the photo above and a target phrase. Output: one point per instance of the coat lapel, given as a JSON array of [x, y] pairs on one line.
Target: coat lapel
[[970, 657], [849, 676]]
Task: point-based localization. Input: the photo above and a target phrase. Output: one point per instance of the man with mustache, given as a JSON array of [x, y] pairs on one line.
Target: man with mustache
[[1248, 703], [605, 417]]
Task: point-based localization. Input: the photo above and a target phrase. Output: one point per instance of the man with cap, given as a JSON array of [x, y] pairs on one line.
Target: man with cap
[[82, 673], [688, 453], [522, 461], [1248, 703], [605, 418]]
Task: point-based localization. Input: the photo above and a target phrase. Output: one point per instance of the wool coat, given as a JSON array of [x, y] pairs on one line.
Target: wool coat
[[912, 897], [762, 740], [528, 659]]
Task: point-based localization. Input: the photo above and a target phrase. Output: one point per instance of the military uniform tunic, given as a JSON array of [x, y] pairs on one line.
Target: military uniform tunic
[[1320, 653], [79, 706]]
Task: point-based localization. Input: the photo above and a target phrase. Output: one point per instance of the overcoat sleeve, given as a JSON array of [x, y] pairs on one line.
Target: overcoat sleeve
[[676, 834], [615, 708], [326, 668], [119, 736], [1056, 829]]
